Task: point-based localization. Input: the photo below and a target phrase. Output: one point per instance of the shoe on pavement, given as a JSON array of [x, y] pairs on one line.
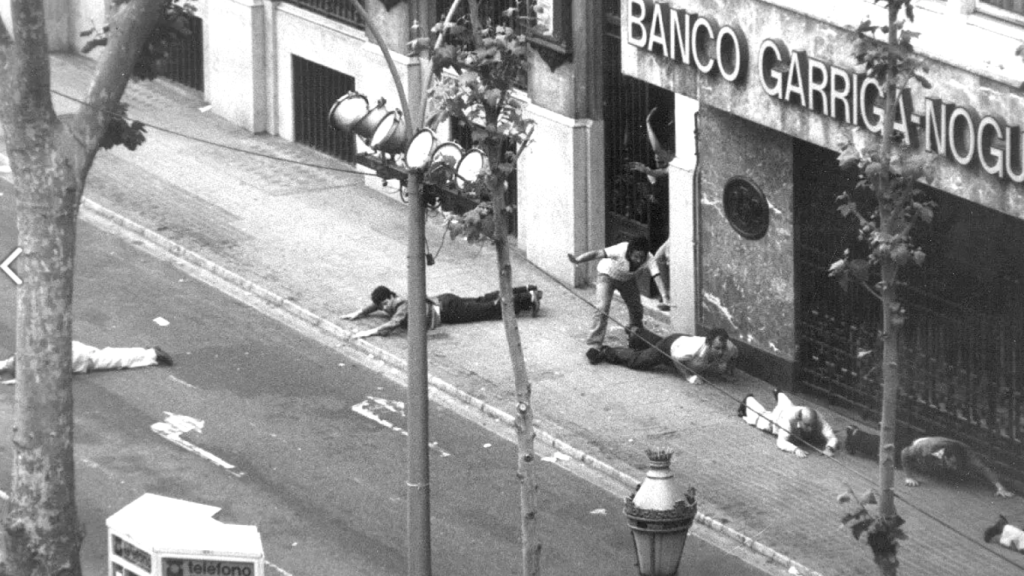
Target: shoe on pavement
[[163, 358], [996, 529], [594, 355], [535, 296], [742, 411]]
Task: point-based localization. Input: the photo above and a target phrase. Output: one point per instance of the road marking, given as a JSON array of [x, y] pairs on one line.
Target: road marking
[[373, 407], [6, 266], [276, 567], [174, 425], [182, 382]]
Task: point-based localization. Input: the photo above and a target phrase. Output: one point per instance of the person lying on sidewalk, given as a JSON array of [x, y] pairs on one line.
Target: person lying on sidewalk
[[86, 358], [443, 308], [790, 422], [617, 270], [711, 354], [938, 454], [1010, 536]]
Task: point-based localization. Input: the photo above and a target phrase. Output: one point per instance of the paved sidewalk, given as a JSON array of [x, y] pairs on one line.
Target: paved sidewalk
[[321, 239]]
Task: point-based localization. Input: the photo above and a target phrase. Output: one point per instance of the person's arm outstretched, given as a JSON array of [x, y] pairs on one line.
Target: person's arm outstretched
[[364, 311], [979, 466], [586, 256]]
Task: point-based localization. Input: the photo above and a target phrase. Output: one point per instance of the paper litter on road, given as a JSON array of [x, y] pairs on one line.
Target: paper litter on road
[[557, 457], [599, 512], [161, 321], [692, 379]]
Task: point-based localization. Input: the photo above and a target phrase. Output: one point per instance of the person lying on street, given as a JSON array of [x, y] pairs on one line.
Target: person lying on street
[[935, 454], [1010, 536], [443, 309], [86, 358], [790, 422], [712, 354], [618, 269]]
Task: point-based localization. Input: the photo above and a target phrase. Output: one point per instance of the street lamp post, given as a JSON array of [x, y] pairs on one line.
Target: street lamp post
[[418, 482], [659, 518]]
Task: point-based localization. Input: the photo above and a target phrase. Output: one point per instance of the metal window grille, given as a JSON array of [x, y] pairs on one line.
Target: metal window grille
[[1015, 6], [315, 88], [184, 63], [339, 10]]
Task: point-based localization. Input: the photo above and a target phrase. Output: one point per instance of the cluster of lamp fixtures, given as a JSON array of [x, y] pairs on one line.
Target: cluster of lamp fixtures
[[384, 131]]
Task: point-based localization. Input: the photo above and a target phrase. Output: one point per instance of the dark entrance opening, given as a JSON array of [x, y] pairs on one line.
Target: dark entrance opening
[[962, 346], [184, 63], [315, 88], [634, 204]]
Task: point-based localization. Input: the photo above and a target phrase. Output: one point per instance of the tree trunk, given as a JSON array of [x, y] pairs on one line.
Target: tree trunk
[[41, 529], [891, 313], [50, 161], [524, 409]]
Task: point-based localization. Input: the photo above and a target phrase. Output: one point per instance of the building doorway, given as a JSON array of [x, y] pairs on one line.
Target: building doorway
[[315, 88], [962, 346], [634, 204]]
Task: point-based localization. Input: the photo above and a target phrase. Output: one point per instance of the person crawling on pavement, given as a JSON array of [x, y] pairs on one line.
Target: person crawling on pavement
[[860, 442], [86, 358], [712, 354], [789, 422], [938, 454], [443, 308]]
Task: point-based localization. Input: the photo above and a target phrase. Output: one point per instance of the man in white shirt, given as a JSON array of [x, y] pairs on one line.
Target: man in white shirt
[[86, 358], [714, 353], [790, 422], [618, 270], [1009, 535]]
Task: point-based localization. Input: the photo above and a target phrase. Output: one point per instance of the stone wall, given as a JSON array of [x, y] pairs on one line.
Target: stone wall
[[747, 286]]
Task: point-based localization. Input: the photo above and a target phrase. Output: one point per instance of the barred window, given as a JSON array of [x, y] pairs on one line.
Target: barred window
[[1015, 6], [339, 10]]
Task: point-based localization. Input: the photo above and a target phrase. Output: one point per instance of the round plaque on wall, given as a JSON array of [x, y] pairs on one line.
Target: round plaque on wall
[[746, 208]]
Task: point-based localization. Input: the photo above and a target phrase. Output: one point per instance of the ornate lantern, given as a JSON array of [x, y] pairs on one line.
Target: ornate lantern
[[660, 518]]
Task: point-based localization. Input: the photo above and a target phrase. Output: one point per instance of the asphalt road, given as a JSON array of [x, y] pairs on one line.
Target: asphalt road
[[308, 439]]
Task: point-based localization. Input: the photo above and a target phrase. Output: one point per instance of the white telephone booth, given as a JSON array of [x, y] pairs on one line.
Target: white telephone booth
[[160, 536]]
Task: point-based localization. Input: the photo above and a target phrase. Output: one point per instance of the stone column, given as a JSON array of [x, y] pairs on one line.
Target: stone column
[[236, 62], [683, 221], [561, 192]]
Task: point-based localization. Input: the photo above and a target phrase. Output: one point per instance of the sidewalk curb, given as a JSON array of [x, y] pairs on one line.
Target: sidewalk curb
[[397, 363]]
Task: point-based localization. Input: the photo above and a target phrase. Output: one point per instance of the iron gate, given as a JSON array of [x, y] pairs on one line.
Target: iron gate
[[184, 63], [634, 205], [315, 88], [962, 348]]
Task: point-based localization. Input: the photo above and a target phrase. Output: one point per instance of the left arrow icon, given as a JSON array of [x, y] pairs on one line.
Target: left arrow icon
[[6, 266]]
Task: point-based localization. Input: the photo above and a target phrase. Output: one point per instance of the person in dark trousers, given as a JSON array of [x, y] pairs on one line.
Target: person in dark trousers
[[711, 354], [617, 271], [86, 358], [443, 309], [1010, 536], [935, 453]]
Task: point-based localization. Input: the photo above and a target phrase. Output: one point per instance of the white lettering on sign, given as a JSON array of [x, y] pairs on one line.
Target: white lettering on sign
[[687, 38], [957, 132], [205, 567]]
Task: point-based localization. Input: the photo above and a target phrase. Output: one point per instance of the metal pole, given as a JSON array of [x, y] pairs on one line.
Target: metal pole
[[418, 483]]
